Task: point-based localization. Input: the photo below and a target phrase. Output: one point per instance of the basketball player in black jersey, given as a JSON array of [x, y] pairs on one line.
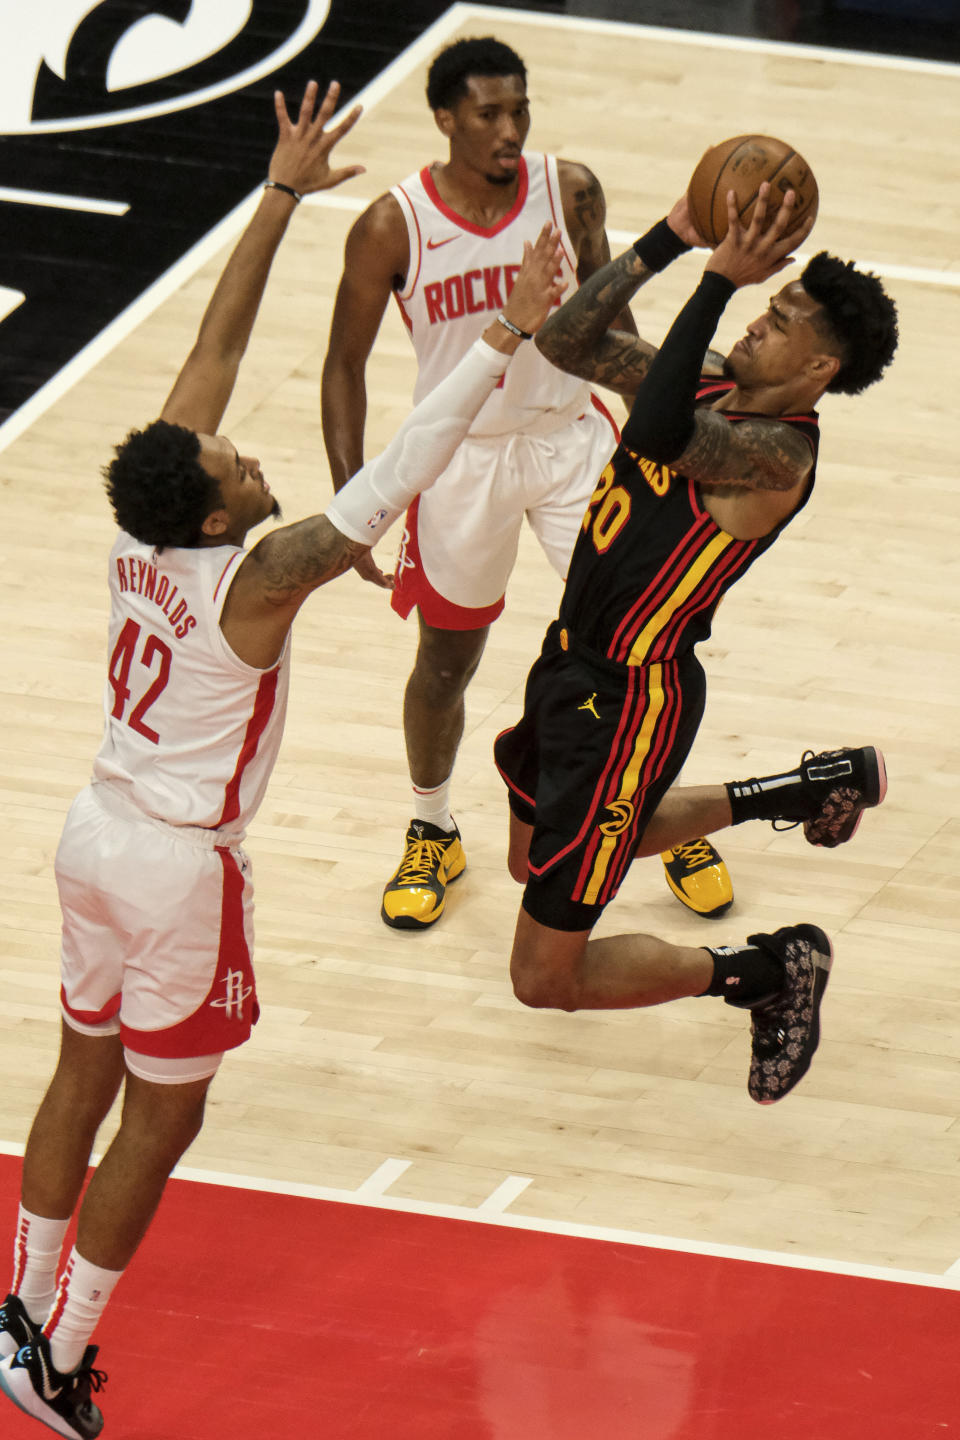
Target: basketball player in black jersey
[[716, 458]]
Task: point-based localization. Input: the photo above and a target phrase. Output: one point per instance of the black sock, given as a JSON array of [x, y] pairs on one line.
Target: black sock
[[744, 974], [773, 797]]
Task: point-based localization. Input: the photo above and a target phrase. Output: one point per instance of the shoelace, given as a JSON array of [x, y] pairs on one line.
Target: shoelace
[[422, 857], [695, 853], [88, 1379]]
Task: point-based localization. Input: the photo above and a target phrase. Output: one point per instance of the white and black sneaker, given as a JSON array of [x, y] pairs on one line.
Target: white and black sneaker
[[841, 785], [31, 1380], [16, 1327], [786, 1027]]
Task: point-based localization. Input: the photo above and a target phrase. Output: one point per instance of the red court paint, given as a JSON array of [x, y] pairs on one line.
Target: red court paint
[[249, 1315]]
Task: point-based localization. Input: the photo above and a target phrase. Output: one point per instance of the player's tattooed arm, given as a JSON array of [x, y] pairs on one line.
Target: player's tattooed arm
[[752, 455], [585, 213], [714, 363], [578, 338], [288, 563]]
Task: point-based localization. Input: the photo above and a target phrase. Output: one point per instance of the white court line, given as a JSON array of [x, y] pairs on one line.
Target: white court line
[[51, 201], [506, 1192], [917, 274], [374, 1199], [415, 55], [383, 1177]]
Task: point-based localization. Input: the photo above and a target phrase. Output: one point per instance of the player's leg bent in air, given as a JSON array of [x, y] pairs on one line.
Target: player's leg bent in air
[[576, 827]]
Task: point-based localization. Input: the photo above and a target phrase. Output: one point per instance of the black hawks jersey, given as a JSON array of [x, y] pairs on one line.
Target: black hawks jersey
[[651, 565]]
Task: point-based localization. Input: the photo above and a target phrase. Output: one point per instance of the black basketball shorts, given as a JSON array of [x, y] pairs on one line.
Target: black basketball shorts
[[596, 749]]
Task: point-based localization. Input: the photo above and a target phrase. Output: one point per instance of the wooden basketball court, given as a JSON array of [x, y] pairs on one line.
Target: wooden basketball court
[[401, 1061]]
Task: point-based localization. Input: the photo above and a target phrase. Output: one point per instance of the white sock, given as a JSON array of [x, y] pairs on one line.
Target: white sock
[[36, 1261], [433, 805], [80, 1301]]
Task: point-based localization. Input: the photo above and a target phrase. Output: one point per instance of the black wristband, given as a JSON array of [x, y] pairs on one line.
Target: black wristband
[[659, 246], [514, 329], [287, 189]]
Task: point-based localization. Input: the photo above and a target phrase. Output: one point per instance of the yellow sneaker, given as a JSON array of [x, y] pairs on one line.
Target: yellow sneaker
[[698, 877], [416, 892]]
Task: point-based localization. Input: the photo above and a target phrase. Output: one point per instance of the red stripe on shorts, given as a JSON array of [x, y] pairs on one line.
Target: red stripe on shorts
[[91, 1017], [229, 1010]]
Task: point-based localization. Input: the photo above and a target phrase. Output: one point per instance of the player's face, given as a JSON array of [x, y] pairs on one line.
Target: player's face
[[488, 128], [246, 496], [780, 344]]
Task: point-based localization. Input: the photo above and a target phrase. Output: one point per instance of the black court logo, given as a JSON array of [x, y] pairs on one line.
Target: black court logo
[[130, 129], [76, 65]]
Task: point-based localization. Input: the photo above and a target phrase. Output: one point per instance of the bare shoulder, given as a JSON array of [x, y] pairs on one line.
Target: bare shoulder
[[378, 237], [584, 205], [756, 454]]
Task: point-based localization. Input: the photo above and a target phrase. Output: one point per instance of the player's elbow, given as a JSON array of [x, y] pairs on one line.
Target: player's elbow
[[549, 343]]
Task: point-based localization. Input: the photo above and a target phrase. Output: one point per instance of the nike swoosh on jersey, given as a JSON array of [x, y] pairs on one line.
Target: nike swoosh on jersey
[[436, 244]]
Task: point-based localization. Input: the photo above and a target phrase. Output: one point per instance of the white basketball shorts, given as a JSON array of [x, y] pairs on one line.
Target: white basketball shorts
[[157, 937], [461, 537]]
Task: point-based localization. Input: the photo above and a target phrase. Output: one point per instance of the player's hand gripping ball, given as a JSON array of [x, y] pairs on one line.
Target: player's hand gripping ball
[[742, 164]]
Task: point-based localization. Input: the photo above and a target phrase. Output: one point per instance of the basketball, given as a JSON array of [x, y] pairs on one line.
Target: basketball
[[742, 164]]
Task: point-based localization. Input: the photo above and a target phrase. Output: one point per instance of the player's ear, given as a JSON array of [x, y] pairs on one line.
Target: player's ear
[[444, 121], [215, 524], [823, 367]]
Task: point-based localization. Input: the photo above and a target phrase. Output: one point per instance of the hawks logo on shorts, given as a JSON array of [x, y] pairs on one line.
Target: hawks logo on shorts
[[623, 811]]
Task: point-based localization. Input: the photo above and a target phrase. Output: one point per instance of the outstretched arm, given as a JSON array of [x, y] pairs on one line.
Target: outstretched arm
[[281, 571], [300, 164]]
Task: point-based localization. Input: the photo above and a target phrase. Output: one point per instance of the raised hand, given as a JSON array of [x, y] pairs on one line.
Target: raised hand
[[301, 158], [682, 225], [539, 285], [751, 254]]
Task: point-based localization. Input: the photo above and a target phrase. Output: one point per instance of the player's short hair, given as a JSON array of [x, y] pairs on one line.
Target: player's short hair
[[857, 314], [448, 76], [159, 491]]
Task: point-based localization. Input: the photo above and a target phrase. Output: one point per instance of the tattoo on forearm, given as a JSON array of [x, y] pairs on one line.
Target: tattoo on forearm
[[302, 557], [762, 455], [576, 337]]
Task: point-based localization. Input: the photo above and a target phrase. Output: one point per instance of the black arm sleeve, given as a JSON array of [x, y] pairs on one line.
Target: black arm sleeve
[[660, 425]]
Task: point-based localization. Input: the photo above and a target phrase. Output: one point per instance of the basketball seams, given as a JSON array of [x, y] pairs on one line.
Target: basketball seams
[[717, 172], [770, 179]]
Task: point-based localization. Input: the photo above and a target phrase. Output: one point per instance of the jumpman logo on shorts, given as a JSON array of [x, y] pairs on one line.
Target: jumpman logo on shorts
[[589, 705]]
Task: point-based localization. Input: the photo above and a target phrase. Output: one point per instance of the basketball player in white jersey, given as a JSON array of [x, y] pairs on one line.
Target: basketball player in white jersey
[[446, 243], [155, 889]]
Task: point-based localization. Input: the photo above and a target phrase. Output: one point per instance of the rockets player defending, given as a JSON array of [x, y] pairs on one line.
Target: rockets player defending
[[154, 886], [446, 243]]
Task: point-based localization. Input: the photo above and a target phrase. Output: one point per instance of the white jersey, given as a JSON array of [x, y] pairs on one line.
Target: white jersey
[[459, 277], [192, 732]]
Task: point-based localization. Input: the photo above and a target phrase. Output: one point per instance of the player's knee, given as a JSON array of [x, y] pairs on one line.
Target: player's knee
[[447, 661], [162, 1120], [541, 988], [518, 865]]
